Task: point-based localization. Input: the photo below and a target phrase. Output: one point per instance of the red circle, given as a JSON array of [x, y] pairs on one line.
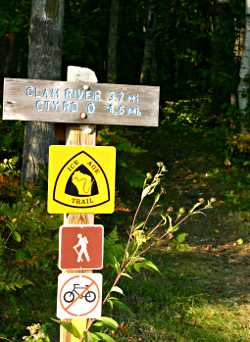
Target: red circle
[[98, 295]]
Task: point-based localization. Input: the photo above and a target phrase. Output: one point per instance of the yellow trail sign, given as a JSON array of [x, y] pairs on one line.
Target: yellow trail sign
[[81, 179]]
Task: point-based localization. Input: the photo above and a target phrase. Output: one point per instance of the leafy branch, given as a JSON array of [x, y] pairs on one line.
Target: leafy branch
[[144, 235]]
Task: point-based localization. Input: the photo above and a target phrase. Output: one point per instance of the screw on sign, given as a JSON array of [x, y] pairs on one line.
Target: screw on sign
[[79, 295]]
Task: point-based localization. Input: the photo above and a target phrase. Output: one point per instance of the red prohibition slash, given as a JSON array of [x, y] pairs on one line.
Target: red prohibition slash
[[80, 295]]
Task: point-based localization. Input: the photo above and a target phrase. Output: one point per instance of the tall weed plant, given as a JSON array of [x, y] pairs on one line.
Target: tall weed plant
[[149, 228]]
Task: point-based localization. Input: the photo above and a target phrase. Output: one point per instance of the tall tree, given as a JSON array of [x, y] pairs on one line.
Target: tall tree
[[243, 88], [112, 41], [44, 62], [148, 71], [223, 66]]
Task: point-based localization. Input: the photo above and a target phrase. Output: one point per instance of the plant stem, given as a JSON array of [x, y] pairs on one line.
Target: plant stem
[[150, 212], [159, 224]]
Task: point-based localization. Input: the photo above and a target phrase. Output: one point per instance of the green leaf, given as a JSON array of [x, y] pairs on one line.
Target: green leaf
[[157, 197], [180, 213], [113, 250], [139, 237], [17, 236], [103, 337], [147, 264], [69, 327], [181, 237], [139, 225], [123, 274], [108, 322], [22, 255], [117, 289], [239, 241], [29, 194], [126, 146], [120, 304], [92, 337], [11, 279], [147, 191]]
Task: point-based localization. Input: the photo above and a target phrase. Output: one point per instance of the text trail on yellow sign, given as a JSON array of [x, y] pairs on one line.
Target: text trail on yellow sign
[[81, 179]]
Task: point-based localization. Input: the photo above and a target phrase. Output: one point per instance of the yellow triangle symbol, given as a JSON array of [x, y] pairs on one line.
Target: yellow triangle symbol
[[81, 183]]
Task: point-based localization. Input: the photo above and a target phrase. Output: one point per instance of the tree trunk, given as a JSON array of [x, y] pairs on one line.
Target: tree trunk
[[222, 74], [113, 41], [149, 67], [11, 57], [44, 62], [243, 88]]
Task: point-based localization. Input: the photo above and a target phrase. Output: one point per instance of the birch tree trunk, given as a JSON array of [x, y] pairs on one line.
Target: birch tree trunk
[[113, 41], [243, 88], [44, 62], [148, 70]]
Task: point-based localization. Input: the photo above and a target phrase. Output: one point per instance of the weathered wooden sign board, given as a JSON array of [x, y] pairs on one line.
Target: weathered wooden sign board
[[80, 102]]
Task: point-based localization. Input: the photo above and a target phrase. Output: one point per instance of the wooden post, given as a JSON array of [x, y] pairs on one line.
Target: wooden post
[[79, 135]]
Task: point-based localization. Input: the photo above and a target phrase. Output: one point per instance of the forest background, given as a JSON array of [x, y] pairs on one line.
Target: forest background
[[195, 52]]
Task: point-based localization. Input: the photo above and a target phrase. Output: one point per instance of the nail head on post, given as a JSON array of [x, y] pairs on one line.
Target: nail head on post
[[83, 116]]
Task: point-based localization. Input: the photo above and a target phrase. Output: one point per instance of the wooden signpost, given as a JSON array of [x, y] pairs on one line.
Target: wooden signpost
[[82, 135], [81, 178]]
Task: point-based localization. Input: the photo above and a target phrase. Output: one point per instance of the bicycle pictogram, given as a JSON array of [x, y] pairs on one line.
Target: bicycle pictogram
[[84, 292]]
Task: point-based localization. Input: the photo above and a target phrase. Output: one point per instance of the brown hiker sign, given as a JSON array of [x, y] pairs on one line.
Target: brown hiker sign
[[81, 247]]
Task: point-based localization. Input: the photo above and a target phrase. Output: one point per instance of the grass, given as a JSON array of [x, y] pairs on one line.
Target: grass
[[195, 299], [203, 291]]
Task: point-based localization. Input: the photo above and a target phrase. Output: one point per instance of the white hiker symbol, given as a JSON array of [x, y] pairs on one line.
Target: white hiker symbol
[[81, 248]]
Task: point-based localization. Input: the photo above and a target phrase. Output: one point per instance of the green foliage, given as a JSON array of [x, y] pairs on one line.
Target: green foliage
[[12, 280], [240, 143], [84, 37], [145, 264], [11, 138], [9, 167], [37, 333], [69, 326], [191, 112], [14, 16], [28, 254], [128, 152], [113, 248], [100, 336], [107, 322]]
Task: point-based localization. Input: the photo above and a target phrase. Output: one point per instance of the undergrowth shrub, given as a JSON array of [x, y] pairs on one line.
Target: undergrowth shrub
[[28, 255]]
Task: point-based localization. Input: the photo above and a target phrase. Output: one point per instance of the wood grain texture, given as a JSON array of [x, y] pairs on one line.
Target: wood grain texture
[[78, 135], [80, 102]]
